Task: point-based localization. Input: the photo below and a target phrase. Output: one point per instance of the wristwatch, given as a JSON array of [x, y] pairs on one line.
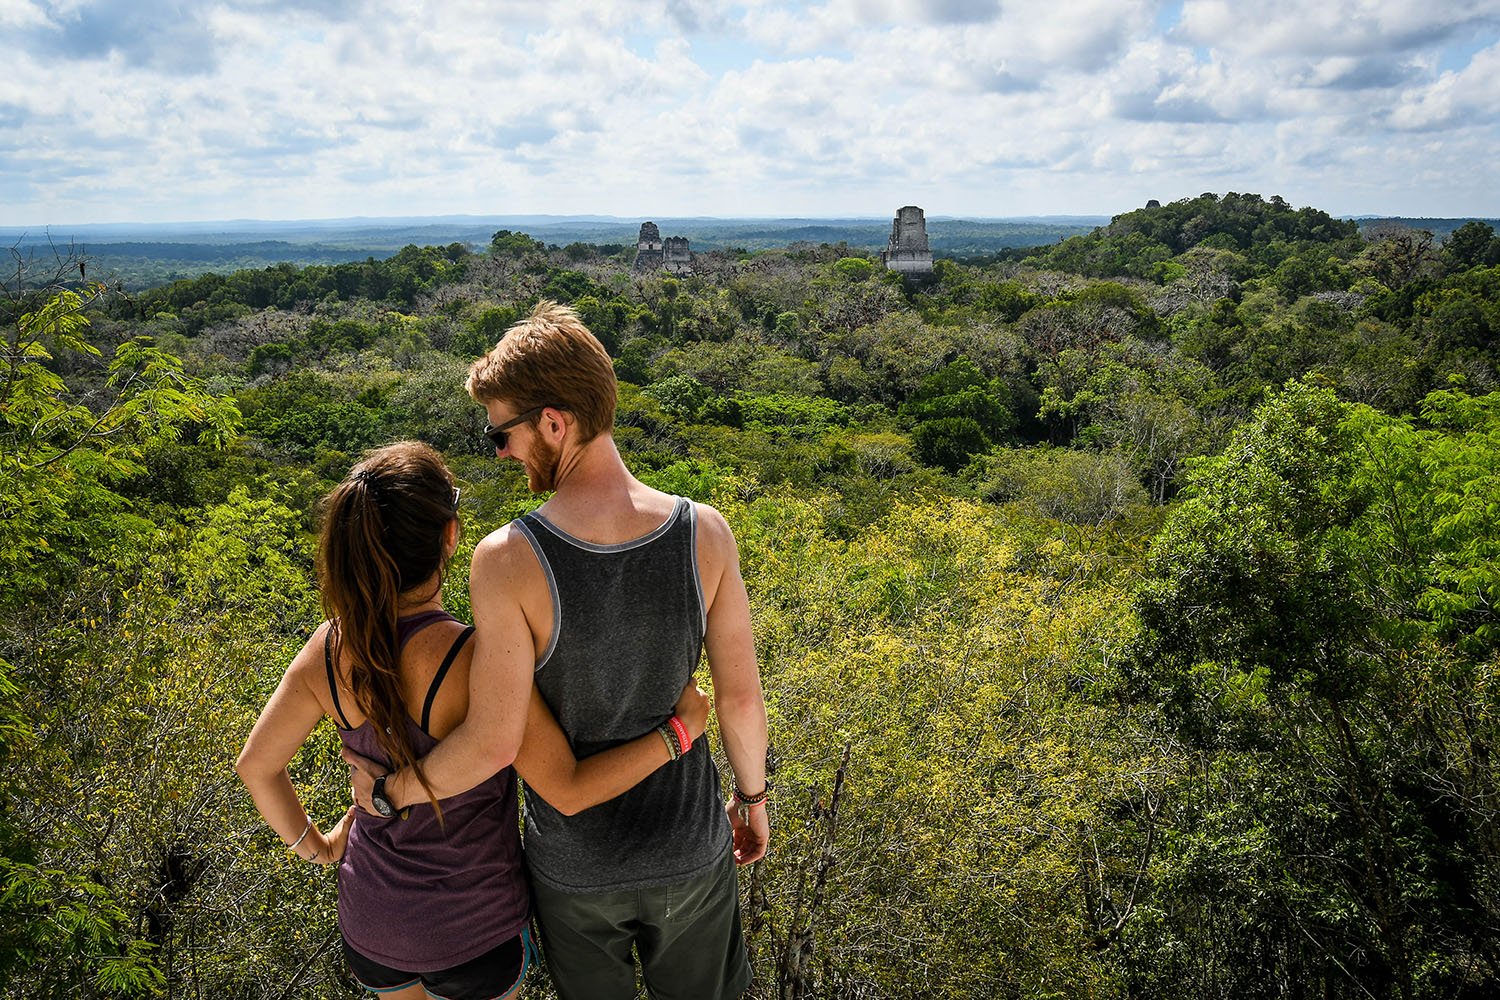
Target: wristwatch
[[379, 801]]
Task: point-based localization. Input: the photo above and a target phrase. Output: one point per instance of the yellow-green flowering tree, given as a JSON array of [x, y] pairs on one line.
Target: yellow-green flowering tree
[[946, 802]]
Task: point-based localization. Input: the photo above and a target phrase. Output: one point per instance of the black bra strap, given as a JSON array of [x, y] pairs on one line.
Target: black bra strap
[[442, 671], [333, 684]]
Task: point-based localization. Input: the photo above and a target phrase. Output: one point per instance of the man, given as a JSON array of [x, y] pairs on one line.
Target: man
[[606, 597]]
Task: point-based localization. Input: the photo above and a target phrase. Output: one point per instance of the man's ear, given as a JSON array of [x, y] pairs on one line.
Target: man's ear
[[556, 422]]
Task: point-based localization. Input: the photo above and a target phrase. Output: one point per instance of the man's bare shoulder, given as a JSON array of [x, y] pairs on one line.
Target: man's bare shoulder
[[711, 521], [505, 553], [508, 589], [715, 538]]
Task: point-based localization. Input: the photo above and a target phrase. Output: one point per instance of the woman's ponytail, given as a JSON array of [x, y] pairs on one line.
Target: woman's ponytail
[[383, 530]]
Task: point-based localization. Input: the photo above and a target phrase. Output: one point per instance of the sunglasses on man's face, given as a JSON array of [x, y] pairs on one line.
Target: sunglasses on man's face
[[500, 436]]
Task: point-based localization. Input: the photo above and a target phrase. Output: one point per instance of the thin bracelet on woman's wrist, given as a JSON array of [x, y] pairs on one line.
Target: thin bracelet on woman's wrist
[[300, 837]]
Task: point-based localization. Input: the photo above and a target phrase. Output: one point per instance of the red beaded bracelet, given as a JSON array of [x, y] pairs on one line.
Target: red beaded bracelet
[[683, 740]]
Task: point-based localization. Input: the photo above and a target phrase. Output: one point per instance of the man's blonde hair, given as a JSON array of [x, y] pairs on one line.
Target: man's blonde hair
[[550, 359]]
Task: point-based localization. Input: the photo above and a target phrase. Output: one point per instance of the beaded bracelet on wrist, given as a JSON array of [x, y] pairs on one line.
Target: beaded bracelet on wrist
[[752, 800], [670, 739]]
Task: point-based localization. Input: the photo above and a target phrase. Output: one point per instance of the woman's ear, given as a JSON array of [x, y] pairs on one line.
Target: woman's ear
[[450, 539]]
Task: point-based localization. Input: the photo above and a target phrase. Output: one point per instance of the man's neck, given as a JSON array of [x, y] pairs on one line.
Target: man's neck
[[593, 469], [599, 500]]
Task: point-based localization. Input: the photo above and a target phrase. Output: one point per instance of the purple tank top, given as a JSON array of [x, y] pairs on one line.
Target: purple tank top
[[419, 897]]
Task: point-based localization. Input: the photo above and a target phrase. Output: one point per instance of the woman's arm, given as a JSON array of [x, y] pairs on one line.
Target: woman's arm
[[281, 730], [546, 762]]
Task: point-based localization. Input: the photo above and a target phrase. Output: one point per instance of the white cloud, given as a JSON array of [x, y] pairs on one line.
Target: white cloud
[[21, 14], [1469, 97], [296, 109], [1334, 27]]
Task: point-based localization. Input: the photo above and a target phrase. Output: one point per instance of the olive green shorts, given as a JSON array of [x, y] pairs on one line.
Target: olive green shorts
[[687, 936]]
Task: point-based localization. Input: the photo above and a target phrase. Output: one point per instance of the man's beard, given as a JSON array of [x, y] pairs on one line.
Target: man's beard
[[541, 466]]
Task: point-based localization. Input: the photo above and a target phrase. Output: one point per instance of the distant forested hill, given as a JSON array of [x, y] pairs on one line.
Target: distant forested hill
[[1126, 606], [145, 265], [1440, 228], [144, 256]]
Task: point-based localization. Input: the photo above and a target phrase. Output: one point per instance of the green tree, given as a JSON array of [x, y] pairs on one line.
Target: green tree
[[680, 395], [1316, 625], [931, 760], [949, 442], [311, 411], [63, 450], [508, 244], [960, 389], [853, 268], [1472, 244], [61, 447]]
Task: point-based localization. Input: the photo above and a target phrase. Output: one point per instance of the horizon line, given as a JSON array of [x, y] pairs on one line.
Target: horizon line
[[37, 230]]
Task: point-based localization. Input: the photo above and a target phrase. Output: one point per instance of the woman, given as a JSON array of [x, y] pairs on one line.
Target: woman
[[432, 901]]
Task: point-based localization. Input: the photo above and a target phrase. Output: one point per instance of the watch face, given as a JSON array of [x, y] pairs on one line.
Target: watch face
[[379, 801]]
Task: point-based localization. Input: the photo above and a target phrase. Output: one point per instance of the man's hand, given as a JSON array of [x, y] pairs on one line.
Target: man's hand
[[692, 709], [752, 831], [362, 774]]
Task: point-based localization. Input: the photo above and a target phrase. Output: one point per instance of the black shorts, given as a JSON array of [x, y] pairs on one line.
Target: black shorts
[[495, 974]]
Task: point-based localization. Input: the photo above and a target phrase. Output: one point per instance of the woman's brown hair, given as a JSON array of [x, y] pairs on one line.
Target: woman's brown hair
[[382, 535]]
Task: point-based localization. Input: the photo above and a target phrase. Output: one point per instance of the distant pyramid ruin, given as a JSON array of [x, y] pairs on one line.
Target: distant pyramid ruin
[[907, 251], [648, 249], [652, 253]]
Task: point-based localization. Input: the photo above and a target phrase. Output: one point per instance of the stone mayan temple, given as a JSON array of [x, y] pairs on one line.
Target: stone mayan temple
[[652, 253], [648, 250], [907, 251]]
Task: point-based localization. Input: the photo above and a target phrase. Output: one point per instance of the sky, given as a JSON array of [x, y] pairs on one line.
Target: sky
[[152, 111]]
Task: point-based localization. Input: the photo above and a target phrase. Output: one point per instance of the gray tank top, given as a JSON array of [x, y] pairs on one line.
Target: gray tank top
[[627, 631]]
